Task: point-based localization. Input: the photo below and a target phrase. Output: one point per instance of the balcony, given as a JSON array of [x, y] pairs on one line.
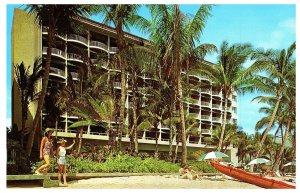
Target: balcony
[[100, 45], [130, 104], [205, 131], [84, 132], [75, 57], [55, 52], [216, 106], [117, 84], [205, 117], [205, 90], [113, 49], [205, 103], [77, 38], [216, 119], [75, 76], [215, 92], [57, 72]]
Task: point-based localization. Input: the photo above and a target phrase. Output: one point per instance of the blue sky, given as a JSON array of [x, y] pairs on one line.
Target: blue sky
[[267, 26]]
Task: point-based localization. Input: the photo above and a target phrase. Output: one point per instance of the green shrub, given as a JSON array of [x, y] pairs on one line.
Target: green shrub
[[195, 155], [202, 166], [119, 163]]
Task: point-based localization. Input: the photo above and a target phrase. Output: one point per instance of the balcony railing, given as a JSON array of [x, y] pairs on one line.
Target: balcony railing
[[84, 132], [218, 119], [73, 56], [207, 117], [117, 84], [113, 49], [214, 92], [55, 51], [216, 106], [57, 71], [205, 131], [130, 104], [205, 103], [99, 45], [205, 90], [75, 75], [77, 38]]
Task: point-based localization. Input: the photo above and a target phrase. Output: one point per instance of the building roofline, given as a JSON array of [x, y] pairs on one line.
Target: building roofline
[[111, 29]]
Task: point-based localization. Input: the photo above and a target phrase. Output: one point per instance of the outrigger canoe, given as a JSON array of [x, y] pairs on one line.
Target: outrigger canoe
[[250, 178]]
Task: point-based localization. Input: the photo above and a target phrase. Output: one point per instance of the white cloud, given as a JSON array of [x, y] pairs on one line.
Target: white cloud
[[289, 24], [284, 30]]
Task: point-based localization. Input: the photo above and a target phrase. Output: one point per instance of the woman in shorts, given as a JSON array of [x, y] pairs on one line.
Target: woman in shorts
[[61, 160]]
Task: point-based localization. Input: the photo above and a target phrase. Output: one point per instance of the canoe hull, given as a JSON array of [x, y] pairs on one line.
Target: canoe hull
[[250, 178]]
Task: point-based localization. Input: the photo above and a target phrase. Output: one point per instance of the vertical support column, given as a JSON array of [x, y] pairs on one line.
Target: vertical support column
[[108, 49], [159, 136], [66, 123], [144, 135], [66, 76], [89, 130], [188, 139], [89, 37]]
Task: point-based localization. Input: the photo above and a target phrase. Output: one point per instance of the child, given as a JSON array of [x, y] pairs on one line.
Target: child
[[61, 160]]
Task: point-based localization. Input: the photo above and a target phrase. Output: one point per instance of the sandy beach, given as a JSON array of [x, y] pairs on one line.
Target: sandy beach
[[159, 182]]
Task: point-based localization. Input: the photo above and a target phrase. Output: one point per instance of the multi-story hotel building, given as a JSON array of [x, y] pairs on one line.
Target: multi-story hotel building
[[29, 42]]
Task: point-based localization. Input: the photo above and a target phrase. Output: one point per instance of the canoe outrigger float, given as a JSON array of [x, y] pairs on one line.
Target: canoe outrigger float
[[250, 178]]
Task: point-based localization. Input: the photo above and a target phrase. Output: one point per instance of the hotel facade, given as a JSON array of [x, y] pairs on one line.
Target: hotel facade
[[29, 41]]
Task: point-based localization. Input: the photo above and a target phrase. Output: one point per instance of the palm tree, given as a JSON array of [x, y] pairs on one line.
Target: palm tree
[[230, 136], [26, 82], [243, 144], [58, 19], [228, 74], [176, 35], [95, 112], [140, 62], [289, 102], [277, 64], [121, 15]]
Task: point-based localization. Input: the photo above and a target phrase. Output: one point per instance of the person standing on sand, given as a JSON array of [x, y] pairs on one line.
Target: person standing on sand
[[61, 160], [46, 149]]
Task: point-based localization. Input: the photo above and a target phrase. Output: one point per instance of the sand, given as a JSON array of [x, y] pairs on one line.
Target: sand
[[159, 182]]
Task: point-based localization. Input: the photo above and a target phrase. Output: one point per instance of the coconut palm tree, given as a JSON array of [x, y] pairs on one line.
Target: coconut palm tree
[[58, 19], [289, 102], [26, 82], [121, 16], [95, 112], [228, 74], [277, 65], [230, 136], [176, 36]]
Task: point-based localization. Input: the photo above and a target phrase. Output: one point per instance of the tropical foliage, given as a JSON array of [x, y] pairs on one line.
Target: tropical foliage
[[156, 88]]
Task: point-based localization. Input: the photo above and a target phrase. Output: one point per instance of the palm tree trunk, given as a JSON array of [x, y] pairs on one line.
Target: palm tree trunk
[[37, 117], [156, 140], [278, 157], [80, 140], [134, 109], [268, 128], [176, 149], [224, 125], [123, 100], [294, 146], [23, 122], [171, 133], [121, 45], [182, 121]]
